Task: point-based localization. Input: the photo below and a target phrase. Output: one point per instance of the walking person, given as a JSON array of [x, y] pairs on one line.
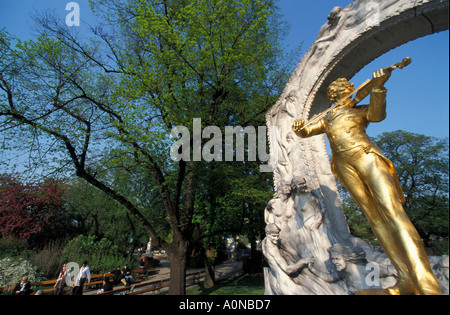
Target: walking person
[[83, 275]]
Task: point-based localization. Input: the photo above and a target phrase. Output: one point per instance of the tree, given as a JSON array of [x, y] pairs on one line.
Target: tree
[[357, 222], [96, 214], [230, 204], [116, 98]]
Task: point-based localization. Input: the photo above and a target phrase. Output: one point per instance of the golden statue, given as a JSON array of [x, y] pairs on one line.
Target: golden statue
[[370, 177]]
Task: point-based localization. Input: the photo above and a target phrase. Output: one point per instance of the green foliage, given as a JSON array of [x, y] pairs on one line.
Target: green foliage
[[198, 56], [231, 204], [356, 220], [102, 256], [10, 247], [99, 215]]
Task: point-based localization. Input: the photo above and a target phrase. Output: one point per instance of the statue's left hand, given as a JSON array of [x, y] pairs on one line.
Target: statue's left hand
[[380, 77]]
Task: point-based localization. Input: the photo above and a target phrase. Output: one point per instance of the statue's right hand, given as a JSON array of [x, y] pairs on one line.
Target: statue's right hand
[[298, 125]]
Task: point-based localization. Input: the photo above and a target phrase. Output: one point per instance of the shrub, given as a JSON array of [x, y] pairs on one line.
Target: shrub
[[13, 270], [102, 256]]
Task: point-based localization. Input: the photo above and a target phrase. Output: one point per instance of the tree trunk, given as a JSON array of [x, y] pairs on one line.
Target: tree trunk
[[177, 257], [210, 278]]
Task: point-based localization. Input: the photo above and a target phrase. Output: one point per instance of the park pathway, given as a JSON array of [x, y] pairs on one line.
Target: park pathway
[[223, 271]]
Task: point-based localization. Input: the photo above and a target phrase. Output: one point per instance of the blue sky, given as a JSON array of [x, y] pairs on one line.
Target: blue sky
[[418, 97]]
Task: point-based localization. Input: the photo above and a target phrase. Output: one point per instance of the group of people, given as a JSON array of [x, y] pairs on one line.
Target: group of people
[[123, 276]]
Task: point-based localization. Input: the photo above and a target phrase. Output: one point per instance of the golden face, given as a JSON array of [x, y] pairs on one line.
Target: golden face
[[339, 89]]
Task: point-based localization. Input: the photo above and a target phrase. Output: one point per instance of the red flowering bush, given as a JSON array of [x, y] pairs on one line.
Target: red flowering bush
[[25, 208]]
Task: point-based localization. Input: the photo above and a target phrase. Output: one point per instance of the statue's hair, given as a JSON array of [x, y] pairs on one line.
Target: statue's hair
[[350, 254], [337, 85], [272, 228]]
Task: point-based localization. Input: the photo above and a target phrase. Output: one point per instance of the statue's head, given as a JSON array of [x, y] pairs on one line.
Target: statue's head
[[341, 255], [339, 89], [299, 185], [334, 14], [273, 233]]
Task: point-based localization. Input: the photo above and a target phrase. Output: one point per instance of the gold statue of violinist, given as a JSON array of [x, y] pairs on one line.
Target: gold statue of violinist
[[370, 177]]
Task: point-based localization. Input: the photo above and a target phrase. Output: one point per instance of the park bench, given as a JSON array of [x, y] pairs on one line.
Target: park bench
[[154, 286], [96, 281], [139, 277]]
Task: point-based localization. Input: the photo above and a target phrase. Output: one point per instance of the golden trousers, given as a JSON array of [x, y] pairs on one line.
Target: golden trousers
[[371, 181]]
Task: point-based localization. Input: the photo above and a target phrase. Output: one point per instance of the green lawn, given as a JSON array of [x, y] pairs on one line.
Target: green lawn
[[245, 284]]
